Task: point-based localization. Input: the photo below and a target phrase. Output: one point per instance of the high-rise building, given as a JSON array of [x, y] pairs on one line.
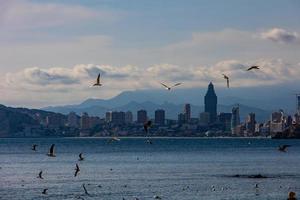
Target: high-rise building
[[85, 121], [142, 116], [225, 120], [204, 118], [128, 117], [187, 112], [210, 103], [235, 120], [73, 120], [159, 117], [277, 122], [250, 123], [118, 118]]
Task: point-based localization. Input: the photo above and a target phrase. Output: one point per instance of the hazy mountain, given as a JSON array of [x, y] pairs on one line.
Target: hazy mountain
[[261, 100]]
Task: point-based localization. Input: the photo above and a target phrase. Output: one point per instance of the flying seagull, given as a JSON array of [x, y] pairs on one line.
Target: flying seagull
[[34, 147], [168, 87], [113, 139], [147, 125], [98, 81], [45, 191], [40, 175], [283, 148], [227, 79], [51, 151], [253, 67], [77, 169], [85, 190], [81, 158]]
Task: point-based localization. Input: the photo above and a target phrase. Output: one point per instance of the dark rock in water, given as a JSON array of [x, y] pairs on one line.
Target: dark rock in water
[[248, 176], [257, 176]]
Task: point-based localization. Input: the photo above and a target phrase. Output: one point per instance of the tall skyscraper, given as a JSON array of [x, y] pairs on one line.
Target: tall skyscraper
[[160, 117], [187, 112], [142, 116], [235, 120], [210, 103]]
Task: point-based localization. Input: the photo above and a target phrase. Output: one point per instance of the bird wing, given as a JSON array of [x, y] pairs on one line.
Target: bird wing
[[176, 84], [98, 78], [52, 149], [164, 85], [227, 82], [285, 146]]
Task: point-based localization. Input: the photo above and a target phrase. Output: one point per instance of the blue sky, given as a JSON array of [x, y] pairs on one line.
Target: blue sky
[[51, 51]]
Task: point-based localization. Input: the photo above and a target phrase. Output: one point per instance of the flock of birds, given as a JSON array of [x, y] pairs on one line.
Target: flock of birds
[[51, 153], [226, 77]]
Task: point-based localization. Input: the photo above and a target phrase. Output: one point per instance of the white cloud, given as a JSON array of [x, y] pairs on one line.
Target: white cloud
[[280, 35], [59, 85]]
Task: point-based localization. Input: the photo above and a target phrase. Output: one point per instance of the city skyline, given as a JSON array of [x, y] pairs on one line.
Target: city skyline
[[51, 50]]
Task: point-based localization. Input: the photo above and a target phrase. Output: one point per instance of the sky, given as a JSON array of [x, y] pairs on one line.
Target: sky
[[52, 51]]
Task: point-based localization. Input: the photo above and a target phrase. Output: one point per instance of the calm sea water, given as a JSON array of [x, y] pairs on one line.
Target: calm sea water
[[175, 169]]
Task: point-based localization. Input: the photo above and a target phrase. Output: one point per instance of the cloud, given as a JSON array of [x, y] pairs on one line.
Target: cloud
[[280, 35]]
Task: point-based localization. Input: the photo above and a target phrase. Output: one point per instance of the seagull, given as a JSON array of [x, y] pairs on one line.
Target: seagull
[[34, 147], [253, 67], [98, 81], [283, 148], [169, 88], [85, 190], [113, 139], [227, 79], [81, 158], [147, 125], [40, 175], [157, 197], [45, 191], [51, 151], [77, 169]]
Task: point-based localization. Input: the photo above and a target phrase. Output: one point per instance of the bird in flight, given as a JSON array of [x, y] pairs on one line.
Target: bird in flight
[[147, 125], [81, 158], [45, 191], [168, 87], [51, 151], [227, 79], [77, 170], [283, 148], [98, 81], [253, 67], [40, 175], [34, 147]]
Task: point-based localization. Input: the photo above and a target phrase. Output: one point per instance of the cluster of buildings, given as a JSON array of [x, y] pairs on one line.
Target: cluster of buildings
[[209, 123]]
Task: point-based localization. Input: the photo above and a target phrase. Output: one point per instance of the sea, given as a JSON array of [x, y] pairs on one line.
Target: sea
[[131, 169]]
